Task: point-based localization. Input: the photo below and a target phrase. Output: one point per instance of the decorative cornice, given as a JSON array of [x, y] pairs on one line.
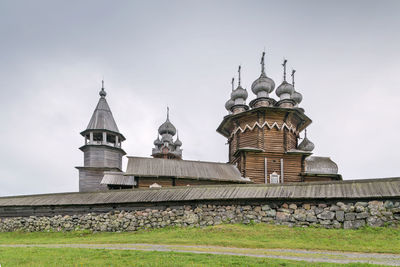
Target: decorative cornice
[[289, 127]]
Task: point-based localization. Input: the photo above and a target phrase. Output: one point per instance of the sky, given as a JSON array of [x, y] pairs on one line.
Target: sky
[[183, 54]]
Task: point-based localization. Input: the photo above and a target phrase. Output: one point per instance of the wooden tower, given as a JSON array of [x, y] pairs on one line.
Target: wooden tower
[[102, 149], [263, 137]]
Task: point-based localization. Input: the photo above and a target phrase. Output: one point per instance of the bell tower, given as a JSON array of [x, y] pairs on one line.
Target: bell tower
[[102, 148]]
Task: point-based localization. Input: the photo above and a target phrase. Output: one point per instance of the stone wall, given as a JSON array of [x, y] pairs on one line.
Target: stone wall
[[348, 215]]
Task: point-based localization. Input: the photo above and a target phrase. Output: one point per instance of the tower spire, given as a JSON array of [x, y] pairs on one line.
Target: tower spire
[[102, 92], [284, 69], [293, 72], [263, 63], [233, 84], [167, 113], [239, 70]]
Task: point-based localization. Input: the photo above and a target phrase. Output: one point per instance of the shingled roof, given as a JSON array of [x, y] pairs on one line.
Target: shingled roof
[[200, 170], [102, 118], [356, 189]]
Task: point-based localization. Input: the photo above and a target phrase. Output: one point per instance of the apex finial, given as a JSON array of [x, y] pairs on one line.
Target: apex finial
[[102, 92], [233, 84], [239, 70], [284, 69], [293, 72], [167, 113], [305, 133], [263, 63]]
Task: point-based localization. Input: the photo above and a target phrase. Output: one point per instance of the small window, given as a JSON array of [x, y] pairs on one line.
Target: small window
[[274, 178], [110, 138], [98, 137]]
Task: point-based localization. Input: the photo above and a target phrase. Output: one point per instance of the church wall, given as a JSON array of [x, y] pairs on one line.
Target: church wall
[[145, 182], [255, 166]]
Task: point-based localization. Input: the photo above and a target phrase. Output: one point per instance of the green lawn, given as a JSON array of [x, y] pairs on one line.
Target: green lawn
[[100, 257], [241, 236]]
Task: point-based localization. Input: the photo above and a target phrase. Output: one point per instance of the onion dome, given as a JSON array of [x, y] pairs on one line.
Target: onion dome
[[263, 85], [284, 89], [306, 144], [229, 104], [320, 165], [178, 142], [296, 96], [157, 142], [167, 127], [239, 92]]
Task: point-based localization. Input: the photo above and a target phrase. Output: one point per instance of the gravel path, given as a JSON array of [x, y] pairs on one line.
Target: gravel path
[[287, 254]]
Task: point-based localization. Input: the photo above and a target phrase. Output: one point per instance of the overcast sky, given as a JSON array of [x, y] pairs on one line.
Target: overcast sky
[[53, 55]]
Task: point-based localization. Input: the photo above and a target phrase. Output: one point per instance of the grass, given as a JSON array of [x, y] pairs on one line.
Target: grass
[[383, 240], [100, 257]]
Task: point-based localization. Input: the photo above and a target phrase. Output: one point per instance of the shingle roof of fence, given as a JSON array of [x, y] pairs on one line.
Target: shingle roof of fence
[[354, 189]]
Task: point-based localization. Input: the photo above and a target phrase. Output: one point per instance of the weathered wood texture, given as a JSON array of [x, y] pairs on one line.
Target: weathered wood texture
[[353, 189], [275, 141], [102, 156], [145, 182], [196, 170], [90, 179]]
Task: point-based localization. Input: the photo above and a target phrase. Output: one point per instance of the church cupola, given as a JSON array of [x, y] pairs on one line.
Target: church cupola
[[285, 91], [167, 147], [296, 96], [306, 144], [230, 103], [239, 96], [262, 87], [102, 148]]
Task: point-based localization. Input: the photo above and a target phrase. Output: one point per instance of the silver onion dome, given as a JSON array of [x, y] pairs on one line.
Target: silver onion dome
[[167, 127], [157, 142], [229, 104], [296, 96], [239, 92], [263, 84], [306, 145], [178, 142], [284, 88]]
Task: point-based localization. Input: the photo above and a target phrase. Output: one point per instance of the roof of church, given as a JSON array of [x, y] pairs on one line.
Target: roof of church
[[102, 118], [200, 170]]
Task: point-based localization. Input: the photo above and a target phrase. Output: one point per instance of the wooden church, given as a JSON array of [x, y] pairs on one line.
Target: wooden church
[[263, 140]]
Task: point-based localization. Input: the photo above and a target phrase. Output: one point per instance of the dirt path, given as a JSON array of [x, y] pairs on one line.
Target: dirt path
[[287, 254]]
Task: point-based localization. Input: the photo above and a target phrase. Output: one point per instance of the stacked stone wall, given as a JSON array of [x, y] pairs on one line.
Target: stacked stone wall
[[347, 215]]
